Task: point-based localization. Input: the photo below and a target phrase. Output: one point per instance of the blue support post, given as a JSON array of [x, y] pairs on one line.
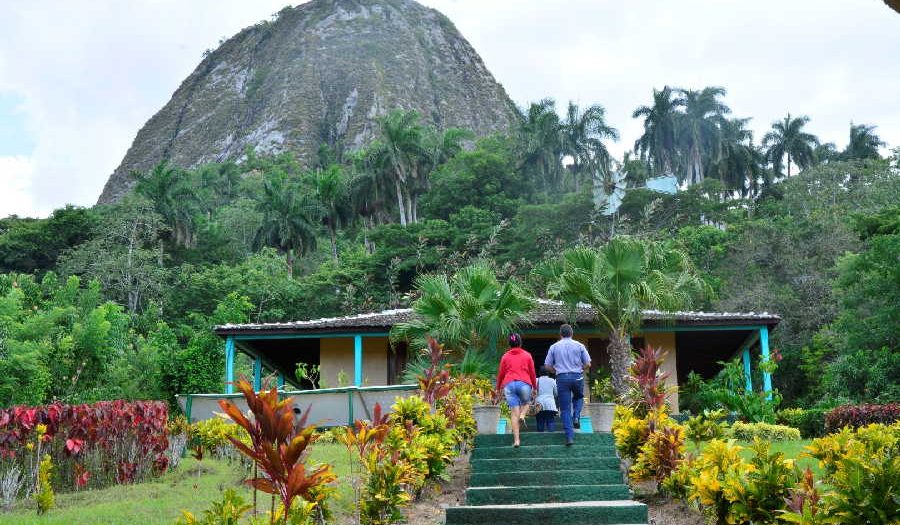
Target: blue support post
[[357, 360], [747, 376], [280, 381], [257, 374], [229, 365], [764, 347]]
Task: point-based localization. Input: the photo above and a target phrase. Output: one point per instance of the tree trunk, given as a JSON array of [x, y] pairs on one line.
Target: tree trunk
[[789, 165], [290, 263], [333, 241], [619, 350], [409, 209], [400, 203]]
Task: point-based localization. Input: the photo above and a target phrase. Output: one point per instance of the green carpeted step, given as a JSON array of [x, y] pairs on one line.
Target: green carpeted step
[[573, 513], [545, 451], [543, 438], [558, 477], [545, 494], [539, 465]]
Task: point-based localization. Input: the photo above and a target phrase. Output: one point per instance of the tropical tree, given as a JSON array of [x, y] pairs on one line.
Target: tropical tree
[[399, 150], [864, 143], [738, 163], [657, 143], [289, 217], [539, 142], [787, 139], [698, 128], [332, 193], [582, 136], [620, 280], [168, 188], [468, 313]]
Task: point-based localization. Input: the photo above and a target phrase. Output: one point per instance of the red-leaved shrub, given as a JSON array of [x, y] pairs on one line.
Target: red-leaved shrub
[[860, 415], [91, 445]]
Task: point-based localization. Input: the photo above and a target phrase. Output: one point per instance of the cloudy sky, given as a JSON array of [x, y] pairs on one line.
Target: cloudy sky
[[79, 78]]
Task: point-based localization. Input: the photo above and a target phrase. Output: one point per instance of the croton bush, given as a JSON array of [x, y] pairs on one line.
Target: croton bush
[[92, 445], [855, 416]]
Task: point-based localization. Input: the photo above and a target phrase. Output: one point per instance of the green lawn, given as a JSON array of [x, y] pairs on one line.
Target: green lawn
[[790, 449], [160, 502]]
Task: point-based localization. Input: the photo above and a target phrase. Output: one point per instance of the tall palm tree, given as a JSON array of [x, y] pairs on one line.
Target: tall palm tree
[[620, 280], [787, 139], [657, 144], [738, 163], [173, 197], [472, 311], [864, 143], [582, 135], [699, 127], [332, 193], [539, 142], [289, 218], [400, 150]]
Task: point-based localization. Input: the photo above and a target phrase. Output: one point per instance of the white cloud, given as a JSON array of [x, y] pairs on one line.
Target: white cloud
[[91, 73], [15, 178]]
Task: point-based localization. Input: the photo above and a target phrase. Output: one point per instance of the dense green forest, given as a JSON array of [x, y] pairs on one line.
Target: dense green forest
[[118, 301]]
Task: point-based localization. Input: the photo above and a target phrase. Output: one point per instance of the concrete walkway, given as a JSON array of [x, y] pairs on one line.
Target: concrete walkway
[[544, 482]]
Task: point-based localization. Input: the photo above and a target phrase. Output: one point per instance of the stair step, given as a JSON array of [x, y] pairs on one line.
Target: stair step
[[543, 438], [545, 494], [545, 451], [572, 513], [540, 465], [558, 477]]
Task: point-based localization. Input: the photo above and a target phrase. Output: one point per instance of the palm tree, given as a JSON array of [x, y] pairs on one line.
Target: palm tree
[[289, 218], [620, 280], [581, 138], [738, 163], [539, 142], [173, 197], [399, 150], [787, 139], [699, 127], [332, 192], [864, 143], [657, 144], [469, 312]]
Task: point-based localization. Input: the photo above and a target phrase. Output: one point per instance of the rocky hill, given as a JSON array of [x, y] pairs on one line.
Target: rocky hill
[[319, 73]]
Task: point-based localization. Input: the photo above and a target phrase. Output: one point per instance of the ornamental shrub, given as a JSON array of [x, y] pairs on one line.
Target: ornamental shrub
[[660, 455], [44, 496], [765, 431], [810, 421], [860, 415], [706, 426], [630, 431]]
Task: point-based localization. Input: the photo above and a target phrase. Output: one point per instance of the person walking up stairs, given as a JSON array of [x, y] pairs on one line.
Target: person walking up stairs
[[545, 482]]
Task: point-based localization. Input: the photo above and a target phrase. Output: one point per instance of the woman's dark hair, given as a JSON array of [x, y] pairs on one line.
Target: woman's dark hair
[[515, 340], [545, 371]]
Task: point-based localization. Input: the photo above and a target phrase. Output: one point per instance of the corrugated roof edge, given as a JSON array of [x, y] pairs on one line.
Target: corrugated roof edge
[[547, 312]]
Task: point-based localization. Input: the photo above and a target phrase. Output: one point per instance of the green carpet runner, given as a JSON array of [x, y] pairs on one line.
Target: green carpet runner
[[544, 482]]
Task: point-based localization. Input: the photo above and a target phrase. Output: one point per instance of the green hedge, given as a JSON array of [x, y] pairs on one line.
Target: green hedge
[[748, 431], [810, 421]]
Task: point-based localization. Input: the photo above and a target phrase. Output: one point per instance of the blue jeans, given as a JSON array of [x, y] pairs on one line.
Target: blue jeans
[[570, 387], [518, 393], [546, 421]]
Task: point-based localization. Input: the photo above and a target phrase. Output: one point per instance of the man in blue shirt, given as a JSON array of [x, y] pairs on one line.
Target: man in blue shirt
[[569, 359]]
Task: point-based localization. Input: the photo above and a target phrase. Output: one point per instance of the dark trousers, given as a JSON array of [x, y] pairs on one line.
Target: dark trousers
[[570, 388], [546, 421]]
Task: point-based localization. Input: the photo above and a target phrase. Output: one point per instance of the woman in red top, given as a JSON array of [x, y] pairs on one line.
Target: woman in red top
[[517, 380]]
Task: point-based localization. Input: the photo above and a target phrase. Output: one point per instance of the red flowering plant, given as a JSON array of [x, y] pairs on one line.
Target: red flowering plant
[[648, 390], [279, 446]]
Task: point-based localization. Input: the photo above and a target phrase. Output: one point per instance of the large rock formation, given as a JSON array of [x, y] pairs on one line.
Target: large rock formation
[[320, 73]]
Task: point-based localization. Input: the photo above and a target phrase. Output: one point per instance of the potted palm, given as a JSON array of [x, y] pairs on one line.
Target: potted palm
[[602, 405]]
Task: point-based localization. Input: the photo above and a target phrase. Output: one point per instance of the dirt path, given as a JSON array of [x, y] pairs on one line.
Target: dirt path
[[429, 508]]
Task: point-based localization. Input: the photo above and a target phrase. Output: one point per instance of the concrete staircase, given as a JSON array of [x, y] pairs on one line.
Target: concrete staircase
[[543, 482]]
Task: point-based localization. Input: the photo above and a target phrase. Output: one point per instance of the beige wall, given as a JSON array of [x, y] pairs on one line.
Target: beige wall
[[336, 354], [666, 340]]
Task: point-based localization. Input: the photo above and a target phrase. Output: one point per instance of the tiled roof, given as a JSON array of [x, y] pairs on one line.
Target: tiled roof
[[547, 312]]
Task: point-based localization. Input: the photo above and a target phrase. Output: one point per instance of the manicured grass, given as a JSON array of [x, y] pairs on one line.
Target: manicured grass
[[790, 449], [160, 502]]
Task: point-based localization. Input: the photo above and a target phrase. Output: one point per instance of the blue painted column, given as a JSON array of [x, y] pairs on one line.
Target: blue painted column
[[747, 375], [357, 360], [257, 374], [280, 381], [764, 347], [229, 365]]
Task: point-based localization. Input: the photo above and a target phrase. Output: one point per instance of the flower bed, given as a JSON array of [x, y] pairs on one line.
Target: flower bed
[[95, 445]]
